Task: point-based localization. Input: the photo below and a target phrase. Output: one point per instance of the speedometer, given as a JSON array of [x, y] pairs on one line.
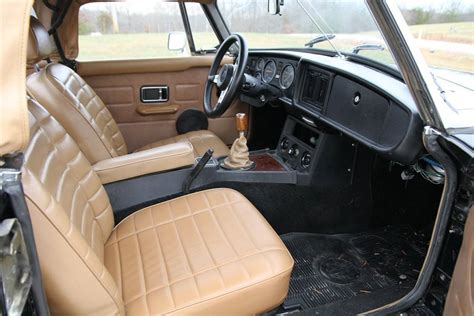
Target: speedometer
[[287, 76], [269, 71]]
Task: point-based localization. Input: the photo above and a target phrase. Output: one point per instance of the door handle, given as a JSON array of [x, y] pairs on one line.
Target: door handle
[[153, 94]]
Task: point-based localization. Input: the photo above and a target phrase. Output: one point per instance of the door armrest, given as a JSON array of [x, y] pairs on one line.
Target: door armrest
[[148, 161]]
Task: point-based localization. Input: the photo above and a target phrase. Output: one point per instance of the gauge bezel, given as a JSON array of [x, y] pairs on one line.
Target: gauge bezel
[[274, 72], [258, 61], [281, 76]]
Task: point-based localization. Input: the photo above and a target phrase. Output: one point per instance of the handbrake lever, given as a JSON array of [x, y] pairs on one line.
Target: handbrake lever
[[197, 170]]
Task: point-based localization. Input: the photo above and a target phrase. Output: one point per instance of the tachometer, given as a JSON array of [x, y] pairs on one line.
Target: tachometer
[[260, 64], [269, 71], [287, 76]]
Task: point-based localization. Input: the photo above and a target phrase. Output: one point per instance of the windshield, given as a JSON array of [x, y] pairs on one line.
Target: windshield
[[443, 31], [336, 25]]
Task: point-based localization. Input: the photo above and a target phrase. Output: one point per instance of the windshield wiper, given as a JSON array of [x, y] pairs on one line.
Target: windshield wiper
[[358, 48], [319, 39]]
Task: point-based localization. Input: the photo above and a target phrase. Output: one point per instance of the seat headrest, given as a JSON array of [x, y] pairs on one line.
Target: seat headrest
[[14, 128], [39, 42]]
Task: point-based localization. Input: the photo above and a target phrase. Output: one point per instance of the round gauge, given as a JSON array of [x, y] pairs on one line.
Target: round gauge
[[269, 71], [287, 76], [260, 64]]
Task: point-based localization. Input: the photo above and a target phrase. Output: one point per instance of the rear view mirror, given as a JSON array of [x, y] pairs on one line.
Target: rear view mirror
[[176, 41], [274, 6]]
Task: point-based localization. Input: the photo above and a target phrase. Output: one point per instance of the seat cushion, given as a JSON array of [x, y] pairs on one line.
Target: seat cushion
[[207, 252], [201, 141]]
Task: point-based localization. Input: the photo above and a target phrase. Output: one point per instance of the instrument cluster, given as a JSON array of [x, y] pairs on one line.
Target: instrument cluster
[[273, 71]]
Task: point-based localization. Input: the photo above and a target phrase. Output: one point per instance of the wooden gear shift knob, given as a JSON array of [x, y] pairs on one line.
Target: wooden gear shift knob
[[241, 122]]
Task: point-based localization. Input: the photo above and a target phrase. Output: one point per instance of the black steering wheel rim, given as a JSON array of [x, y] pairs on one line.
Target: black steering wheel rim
[[232, 85]]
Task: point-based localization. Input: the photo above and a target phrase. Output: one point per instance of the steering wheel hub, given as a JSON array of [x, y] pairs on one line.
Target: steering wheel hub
[[225, 76]]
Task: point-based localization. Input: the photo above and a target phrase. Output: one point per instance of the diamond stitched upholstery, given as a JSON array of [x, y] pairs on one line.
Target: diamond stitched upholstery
[[210, 246], [72, 218], [201, 141]]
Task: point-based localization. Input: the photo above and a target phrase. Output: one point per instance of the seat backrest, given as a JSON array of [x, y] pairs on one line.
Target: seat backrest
[[72, 219], [72, 101]]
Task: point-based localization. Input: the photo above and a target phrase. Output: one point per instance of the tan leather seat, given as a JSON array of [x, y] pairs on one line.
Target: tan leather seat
[[81, 111], [205, 253]]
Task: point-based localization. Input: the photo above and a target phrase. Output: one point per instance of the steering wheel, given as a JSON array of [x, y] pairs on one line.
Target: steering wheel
[[229, 79]]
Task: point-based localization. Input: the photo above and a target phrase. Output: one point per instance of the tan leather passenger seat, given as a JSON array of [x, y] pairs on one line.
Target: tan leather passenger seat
[[205, 253], [81, 111]]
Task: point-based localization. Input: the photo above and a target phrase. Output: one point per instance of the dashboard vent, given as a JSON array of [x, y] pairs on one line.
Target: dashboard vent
[[315, 89]]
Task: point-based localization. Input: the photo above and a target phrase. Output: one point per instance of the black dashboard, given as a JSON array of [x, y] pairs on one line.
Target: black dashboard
[[365, 104]]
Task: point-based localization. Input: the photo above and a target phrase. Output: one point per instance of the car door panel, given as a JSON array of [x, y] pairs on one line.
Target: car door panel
[[118, 84]]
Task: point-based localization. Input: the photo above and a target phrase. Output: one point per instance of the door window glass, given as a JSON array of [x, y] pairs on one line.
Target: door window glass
[[131, 30]]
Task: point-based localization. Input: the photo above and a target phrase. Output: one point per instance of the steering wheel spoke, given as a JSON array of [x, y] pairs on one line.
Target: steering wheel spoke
[[221, 96], [213, 78]]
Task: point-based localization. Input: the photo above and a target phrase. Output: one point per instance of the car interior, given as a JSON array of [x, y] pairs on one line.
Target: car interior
[[240, 182]]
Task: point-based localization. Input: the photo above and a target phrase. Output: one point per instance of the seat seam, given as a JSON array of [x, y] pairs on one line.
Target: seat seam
[[162, 257], [120, 270], [141, 264], [66, 162], [207, 247], [186, 258], [213, 215], [74, 249], [76, 109], [216, 220], [207, 270], [167, 222], [229, 291], [237, 218]]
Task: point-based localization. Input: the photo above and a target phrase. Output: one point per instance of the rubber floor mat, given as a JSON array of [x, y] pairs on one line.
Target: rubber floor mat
[[333, 269]]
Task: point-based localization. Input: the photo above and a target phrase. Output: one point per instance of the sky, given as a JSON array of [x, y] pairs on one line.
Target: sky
[[144, 5], [435, 4]]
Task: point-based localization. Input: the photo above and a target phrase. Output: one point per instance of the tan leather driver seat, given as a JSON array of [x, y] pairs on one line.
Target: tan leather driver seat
[[209, 253], [80, 110]]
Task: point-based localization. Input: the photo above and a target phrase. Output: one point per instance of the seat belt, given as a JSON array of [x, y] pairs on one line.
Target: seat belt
[[59, 12]]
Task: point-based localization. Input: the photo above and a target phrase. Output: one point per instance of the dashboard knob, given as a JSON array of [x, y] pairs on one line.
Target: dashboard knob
[[284, 144], [306, 160], [294, 151]]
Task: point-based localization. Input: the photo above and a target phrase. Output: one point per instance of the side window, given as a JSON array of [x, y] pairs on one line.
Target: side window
[[131, 30], [203, 34]]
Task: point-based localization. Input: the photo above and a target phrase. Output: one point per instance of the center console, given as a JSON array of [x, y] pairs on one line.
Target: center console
[[298, 146], [298, 160]]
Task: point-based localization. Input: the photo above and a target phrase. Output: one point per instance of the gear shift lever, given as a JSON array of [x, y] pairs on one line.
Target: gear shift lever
[[241, 123], [238, 158]]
